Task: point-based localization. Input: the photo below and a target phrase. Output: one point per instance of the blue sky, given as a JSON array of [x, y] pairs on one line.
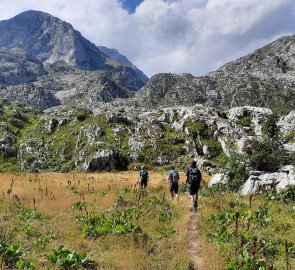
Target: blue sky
[[131, 5], [177, 36]]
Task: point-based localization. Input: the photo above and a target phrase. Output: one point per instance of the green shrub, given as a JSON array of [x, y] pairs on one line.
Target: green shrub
[[70, 259], [269, 126], [167, 231], [82, 114], [214, 147], [12, 256], [244, 121], [198, 128], [27, 214], [118, 222], [235, 170], [265, 154]]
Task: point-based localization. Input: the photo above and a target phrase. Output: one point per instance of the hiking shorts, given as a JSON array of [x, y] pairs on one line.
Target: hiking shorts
[[174, 188], [143, 183], [193, 188]]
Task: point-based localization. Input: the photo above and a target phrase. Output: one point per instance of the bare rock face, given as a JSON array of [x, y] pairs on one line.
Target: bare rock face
[[106, 160], [115, 55], [287, 123], [275, 181], [264, 78], [49, 40], [18, 67]]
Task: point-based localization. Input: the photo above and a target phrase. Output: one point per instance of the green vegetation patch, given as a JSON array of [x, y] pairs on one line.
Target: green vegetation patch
[[250, 232]]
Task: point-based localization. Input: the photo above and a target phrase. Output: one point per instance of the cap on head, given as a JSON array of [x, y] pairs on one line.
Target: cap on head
[[142, 167], [193, 163]]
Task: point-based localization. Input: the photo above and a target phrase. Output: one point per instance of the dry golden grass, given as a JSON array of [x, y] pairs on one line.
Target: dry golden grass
[[52, 192], [54, 195]]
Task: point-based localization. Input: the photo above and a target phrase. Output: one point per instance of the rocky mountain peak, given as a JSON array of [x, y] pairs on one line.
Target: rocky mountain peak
[[45, 62], [50, 40]]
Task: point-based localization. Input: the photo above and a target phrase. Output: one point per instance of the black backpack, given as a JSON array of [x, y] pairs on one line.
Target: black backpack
[[194, 176]]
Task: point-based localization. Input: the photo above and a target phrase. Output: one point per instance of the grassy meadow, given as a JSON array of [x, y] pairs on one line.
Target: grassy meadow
[[104, 221], [91, 221]]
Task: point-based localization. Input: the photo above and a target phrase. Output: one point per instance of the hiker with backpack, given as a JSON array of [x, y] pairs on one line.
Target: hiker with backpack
[[193, 181], [144, 176], [173, 179]]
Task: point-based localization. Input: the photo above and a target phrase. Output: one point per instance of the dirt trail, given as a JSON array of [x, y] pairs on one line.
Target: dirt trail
[[194, 245]]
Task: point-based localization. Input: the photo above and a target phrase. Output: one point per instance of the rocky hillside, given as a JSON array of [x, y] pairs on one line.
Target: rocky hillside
[[19, 67], [265, 78], [107, 138], [67, 85]]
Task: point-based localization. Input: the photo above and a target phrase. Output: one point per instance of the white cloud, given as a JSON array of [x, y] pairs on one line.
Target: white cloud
[[193, 36]]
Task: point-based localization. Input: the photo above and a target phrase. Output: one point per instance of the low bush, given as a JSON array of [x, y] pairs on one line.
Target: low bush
[[265, 154], [70, 260]]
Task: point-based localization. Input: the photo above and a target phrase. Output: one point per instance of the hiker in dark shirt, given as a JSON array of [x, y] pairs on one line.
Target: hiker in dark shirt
[[144, 176], [193, 180]]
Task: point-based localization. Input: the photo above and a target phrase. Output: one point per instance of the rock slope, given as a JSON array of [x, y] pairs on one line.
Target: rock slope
[[263, 78], [19, 67], [107, 137]]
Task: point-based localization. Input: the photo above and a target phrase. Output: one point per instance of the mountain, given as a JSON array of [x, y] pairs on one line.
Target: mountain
[[265, 77], [115, 55], [46, 62], [59, 66], [50, 40]]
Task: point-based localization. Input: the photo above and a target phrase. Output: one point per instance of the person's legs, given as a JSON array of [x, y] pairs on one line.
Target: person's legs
[[143, 184], [171, 191], [195, 202], [194, 197], [176, 188], [197, 197]]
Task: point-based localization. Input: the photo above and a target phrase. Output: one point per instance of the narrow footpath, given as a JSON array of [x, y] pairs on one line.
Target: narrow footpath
[[194, 245]]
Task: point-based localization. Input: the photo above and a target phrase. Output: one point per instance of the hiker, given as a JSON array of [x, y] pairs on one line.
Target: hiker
[[193, 180], [173, 179], [144, 177]]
